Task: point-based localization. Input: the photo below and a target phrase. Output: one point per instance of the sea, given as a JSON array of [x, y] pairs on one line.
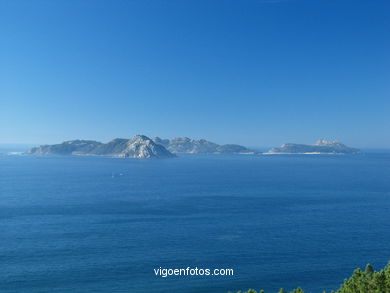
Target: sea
[[85, 224]]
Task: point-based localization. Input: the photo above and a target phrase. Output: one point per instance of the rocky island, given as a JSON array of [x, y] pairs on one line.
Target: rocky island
[[187, 145], [140, 146], [322, 146]]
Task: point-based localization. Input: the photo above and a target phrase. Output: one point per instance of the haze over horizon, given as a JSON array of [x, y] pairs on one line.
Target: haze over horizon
[[256, 73]]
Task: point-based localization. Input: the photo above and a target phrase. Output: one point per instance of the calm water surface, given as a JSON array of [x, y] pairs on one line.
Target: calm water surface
[[101, 225]]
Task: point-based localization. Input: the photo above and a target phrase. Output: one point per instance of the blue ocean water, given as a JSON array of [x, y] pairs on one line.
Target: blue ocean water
[[102, 225]]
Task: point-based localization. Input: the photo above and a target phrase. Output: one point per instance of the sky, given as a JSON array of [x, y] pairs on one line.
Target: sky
[[253, 72]]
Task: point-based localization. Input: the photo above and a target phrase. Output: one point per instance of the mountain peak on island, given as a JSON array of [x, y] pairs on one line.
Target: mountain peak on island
[[324, 142], [140, 137], [141, 146]]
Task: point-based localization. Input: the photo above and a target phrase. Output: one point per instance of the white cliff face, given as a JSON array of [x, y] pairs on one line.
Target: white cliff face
[[142, 147]]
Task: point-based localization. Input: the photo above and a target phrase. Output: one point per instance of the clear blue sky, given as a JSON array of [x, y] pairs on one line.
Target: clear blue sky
[[258, 73]]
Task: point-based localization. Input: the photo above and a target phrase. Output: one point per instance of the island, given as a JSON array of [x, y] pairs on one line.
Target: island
[[140, 147], [143, 147], [187, 145], [322, 146]]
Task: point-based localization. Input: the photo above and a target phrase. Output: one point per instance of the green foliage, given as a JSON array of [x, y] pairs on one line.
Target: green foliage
[[367, 281]]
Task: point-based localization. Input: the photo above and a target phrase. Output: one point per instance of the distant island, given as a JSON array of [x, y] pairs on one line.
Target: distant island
[[322, 146], [143, 147], [140, 146], [185, 145]]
